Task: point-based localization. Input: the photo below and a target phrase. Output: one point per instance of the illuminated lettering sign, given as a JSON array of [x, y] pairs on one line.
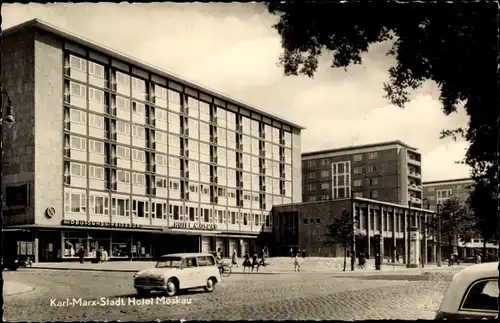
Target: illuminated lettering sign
[[194, 226], [102, 224]]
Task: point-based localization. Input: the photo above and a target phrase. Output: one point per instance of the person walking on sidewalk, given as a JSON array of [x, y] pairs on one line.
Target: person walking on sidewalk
[[234, 259], [291, 253], [304, 253], [81, 255], [296, 264]]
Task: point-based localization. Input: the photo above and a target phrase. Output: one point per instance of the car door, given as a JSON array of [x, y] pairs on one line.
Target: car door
[[480, 299], [191, 272]]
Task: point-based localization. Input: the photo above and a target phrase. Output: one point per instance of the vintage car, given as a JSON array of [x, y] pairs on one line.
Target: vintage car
[[472, 294], [177, 272]]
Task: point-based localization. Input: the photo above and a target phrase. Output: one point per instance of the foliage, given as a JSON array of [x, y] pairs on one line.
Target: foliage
[[341, 230], [484, 206], [456, 45]]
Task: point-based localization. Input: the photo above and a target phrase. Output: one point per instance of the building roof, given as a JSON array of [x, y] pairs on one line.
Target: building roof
[[40, 24], [374, 145], [448, 181]]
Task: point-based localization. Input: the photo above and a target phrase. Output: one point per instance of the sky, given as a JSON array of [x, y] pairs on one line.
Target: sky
[[233, 49]]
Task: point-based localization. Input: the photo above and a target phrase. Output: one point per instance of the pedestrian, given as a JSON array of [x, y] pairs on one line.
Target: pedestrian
[[129, 255], [478, 259], [81, 255], [246, 261], [98, 255], [266, 251], [255, 262], [291, 253], [296, 264], [234, 260], [397, 257], [105, 255], [303, 253]]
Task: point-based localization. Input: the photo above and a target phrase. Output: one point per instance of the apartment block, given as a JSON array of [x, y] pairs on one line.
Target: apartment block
[[387, 171], [437, 192], [109, 152]]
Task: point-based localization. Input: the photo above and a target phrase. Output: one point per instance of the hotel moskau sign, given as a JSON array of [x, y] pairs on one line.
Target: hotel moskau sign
[[194, 226]]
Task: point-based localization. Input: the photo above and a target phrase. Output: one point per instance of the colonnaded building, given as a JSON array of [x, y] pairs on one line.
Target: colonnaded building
[[111, 152]]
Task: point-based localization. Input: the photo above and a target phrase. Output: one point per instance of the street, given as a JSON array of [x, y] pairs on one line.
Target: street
[[274, 297]]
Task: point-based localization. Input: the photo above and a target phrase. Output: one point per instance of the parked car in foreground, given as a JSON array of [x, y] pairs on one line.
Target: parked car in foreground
[[177, 272], [472, 294]]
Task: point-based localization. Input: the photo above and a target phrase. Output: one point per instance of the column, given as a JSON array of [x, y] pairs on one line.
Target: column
[[405, 236], [394, 224], [36, 247], [368, 229], [62, 245], [425, 240], [382, 231], [434, 252]]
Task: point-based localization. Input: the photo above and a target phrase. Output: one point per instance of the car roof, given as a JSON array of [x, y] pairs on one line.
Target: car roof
[[185, 255], [461, 282]]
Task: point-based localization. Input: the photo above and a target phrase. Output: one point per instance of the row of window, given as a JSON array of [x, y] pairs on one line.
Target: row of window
[[120, 206], [164, 98], [356, 170], [326, 161]]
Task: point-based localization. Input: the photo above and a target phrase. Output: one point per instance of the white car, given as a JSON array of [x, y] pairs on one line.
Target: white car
[[177, 272], [472, 293]]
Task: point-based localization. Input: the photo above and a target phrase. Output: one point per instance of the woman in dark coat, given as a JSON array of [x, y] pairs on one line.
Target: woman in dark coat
[[246, 261]]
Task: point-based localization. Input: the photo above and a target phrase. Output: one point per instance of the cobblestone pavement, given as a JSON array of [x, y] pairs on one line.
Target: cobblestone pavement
[[293, 296]]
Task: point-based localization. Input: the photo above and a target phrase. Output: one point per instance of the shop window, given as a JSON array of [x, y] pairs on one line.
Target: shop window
[[73, 242]]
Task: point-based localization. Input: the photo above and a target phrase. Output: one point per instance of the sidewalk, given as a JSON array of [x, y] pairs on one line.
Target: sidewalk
[[276, 266], [12, 287]]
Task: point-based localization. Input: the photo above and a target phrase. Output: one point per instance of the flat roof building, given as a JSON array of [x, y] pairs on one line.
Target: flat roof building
[[385, 171], [110, 152]]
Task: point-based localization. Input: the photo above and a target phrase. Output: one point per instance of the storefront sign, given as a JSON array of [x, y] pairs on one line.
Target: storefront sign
[[194, 226], [102, 224]]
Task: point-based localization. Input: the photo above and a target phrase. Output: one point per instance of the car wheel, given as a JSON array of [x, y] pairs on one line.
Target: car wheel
[[142, 292], [210, 285], [171, 288]]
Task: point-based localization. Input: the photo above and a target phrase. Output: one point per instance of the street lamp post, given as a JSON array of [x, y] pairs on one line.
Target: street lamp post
[[353, 239], [408, 233]]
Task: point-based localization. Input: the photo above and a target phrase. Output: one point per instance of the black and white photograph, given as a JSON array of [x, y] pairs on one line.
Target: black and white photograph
[[330, 160]]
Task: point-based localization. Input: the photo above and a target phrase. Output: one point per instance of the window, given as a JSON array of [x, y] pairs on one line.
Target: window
[[139, 108], [77, 90], [122, 128], [120, 206], [139, 155], [358, 157], [123, 177], [325, 162], [174, 185], [325, 186], [75, 203], [122, 103], [174, 162], [96, 121], [77, 63], [96, 147], [78, 116], [373, 155], [161, 182], [161, 160], [358, 194], [373, 168], [358, 170], [358, 183], [305, 221], [482, 296], [311, 175], [123, 152], [373, 181], [374, 194], [325, 173], [78, 170], [341, 179], [139, 179], [160, 92], [140, 208], [98, 205], [138, 85], [96, 70], [318, 221], [431, 189], [122, 78], [206, 261], [311, 163], [96, 95], [311, 187], [138, 132], [96, 172]]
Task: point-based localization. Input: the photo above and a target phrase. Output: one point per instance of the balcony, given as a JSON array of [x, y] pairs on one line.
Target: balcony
[[214, 179], [414, 187], [214, 159], [213, 139], [185, 131], [239, 127], [185, 109], [414, 174], [185, 174], [213, 119], [415, 200], [413, 161], [282, 141], [262, 153]]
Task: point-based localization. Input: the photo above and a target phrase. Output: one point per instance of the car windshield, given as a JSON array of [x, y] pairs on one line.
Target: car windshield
[[169, 262]]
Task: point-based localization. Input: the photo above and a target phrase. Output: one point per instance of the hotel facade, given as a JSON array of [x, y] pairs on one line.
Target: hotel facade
[[110, 152], [387, 171]]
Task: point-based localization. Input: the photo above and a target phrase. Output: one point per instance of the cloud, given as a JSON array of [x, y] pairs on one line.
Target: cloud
[[233, 49]]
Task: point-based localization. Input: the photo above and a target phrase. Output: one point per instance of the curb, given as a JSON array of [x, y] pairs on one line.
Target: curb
[[134, 271]]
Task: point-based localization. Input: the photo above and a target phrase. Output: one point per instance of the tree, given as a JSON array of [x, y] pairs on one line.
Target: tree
[[340, 232], [455, 45], [484, 206]]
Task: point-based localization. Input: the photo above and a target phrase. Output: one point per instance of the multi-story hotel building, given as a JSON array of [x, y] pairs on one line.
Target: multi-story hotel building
[[387, 171], [110, 152]]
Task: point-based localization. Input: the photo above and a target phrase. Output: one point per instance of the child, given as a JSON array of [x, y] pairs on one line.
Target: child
[[296, 264]]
